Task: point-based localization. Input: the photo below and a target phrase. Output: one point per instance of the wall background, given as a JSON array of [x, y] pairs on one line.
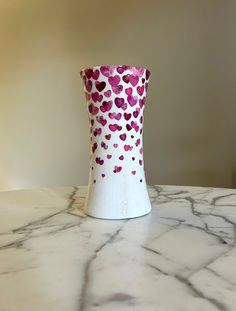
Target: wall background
[[189, 133]]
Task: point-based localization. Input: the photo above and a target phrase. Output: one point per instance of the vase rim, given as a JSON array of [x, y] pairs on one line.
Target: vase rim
[[114, 66]]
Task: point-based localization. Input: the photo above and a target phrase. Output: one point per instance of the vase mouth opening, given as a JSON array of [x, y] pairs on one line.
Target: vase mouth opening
[[119, 67]]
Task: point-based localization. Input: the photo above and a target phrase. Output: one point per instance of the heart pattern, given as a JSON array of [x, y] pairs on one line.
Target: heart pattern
[[116, 97]]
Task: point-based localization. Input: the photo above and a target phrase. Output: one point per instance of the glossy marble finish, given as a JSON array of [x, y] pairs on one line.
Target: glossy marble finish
[[180, 257]]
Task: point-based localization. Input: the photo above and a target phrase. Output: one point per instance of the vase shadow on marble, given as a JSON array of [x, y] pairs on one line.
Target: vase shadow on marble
[[116, 97]]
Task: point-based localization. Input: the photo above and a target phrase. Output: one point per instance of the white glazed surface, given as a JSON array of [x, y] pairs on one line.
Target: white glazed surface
[[180, 257]]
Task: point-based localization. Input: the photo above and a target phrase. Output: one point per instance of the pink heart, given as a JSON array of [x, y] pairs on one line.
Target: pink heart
[[93, 109], [123, 136], [103, 145], [100, 86], [114, 80], [137, 142], [135, 126], [121, 157], [109, 156], [107, 93], [97, 132], [101, 120], [114, 127], [106, 70], [115, 145], [140, 90], [129, 91], [132, 100], [99, 161], [128, 147], [127, 116], [88, 85], [136, 113], [113, 115], [108, 136], [96, 97], [106, 106], [142, 102], [117, 169], [140, 162], [88, 72], [133, 172], [141, 150], [133, 80], [95, 74], [117, 89], [138, 71]]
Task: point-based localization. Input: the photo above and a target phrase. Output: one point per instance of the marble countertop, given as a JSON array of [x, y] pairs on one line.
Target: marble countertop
[[181, 257]]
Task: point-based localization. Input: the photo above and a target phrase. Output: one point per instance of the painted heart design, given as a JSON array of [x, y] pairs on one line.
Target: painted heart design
[[129, 91], [100, 86], [123, 136], [117, 169], [88, 85], [141, 119], [106, 106], [113, 115], [133, 172], [99, 161], [133, 158], [138, 71], [95, 74], [126, 78], [108, 136], [147, 74], [88, 73], [140, 162], [120, 69], [137, 142], [94, 147], [109, 156], [106, 70], [119, 102], [140, 90], [104, 145], [115, 127], [121, 157], [133, 80], [107, 93], [117, 89], [103, 175], [142, 102], [128, 127], [97, 132], [93, 109], [101, 120], [115, 80], [135, 126], [132, 100], [136, 112], [96, 97], [143, 80], [132, 136], [115, 145], [128, 147], [141, 150], [127, 116], [141, 131]]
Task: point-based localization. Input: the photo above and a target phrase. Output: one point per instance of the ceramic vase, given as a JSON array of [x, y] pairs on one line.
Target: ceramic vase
[[116, 97]]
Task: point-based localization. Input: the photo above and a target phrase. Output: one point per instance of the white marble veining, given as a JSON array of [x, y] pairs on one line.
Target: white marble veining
[[181, 257]]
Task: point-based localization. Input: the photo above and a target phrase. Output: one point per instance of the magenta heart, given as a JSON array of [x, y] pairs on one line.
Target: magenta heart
[[121, 157], [119, 102], [103, 175], [135, 126], [106, 70], [88, 85], [120, 69], [107, 93], [96, 97], [141, 119], [129, 91], [126, 78], [94, 147], [106, 106], [113, 115], [93, 109], [108, 136], [88, 73], [127, 116], [115, 127], [137, 142], [147, 74], [136, 113], [114, 80], [101, 120], [117, 89], [132, 100], [140, 162], [109, 156], [133, 80], [117, 169], [128, 127], [133, 172], [142, 102], [141, 131], [95, 74], [97, 132], [140, 90], [141, 150], [115, 145], [104, 145], [100, 86], [128, 147], [123, 136], [99, 161], [143, 80], [133, 158]]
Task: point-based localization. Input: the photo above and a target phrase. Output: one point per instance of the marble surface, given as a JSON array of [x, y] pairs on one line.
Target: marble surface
[[181, 257]]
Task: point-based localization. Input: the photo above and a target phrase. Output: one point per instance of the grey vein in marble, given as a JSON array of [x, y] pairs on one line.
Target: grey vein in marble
[[180, 257]]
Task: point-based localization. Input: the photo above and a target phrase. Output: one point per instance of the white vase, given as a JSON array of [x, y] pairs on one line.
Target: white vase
[[116, 98]]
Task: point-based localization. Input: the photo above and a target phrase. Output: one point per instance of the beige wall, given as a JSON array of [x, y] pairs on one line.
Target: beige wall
[[189, 121]]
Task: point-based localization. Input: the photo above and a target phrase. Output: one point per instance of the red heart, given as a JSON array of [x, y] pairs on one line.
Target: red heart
[[95, 74], [108, 136], [96, 97], [127, 116], [126, 78], [140, 90], [133, 172], [128, 127], [106, 106], [93, 109], [117, 169], [109, 156], [101, 120], [88, 85], [115, 145], [88, 73], [123, 136], [100, 85], [121, 157]]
